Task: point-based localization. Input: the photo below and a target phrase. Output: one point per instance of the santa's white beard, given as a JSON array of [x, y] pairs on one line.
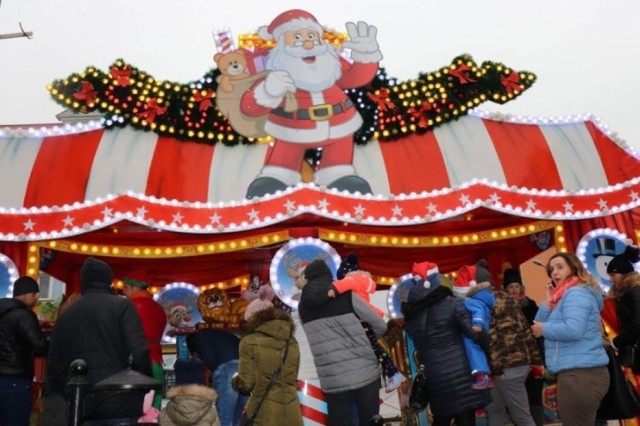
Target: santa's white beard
[[313, 77]]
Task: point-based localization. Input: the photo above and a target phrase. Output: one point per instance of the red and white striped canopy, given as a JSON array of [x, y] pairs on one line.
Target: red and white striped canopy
[[59, 183]]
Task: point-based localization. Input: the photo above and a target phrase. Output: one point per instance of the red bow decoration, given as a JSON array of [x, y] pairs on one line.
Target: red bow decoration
[[420, 114], [121, 76], [510, 82], [382, 99], [460, 74], [151, 110], [205, 100], [87, 93]]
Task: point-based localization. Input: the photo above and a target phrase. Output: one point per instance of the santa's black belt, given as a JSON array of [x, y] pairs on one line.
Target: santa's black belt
[[316, 112]]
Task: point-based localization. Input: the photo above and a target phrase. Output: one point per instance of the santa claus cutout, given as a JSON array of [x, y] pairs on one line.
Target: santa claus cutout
[[305, 103]]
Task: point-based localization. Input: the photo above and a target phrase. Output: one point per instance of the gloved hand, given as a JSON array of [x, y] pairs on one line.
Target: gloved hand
[[483, 340], [278, 83], [537, 371], [363, 44]]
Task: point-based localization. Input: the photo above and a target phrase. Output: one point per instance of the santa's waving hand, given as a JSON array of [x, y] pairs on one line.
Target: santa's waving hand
[[363, 44]]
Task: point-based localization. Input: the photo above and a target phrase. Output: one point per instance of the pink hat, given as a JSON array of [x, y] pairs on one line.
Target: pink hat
[[287, 21], [265, 296]]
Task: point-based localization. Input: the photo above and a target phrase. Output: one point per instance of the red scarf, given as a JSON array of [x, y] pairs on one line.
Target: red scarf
[[558, 292]]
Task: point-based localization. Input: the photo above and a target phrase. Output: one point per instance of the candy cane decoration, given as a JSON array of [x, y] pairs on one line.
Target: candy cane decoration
[[224, 40]]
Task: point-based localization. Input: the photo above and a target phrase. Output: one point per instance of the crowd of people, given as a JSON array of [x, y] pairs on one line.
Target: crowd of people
[[482, 345]]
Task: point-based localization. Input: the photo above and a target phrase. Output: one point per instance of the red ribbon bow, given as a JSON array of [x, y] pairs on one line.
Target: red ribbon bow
[[510, 82], [205, 100], [420, 114], [460, 74], [383, 100], [121, 76], [87, 93], [152, 109]]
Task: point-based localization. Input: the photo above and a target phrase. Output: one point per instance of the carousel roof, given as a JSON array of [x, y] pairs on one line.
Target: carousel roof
[[65, 181]]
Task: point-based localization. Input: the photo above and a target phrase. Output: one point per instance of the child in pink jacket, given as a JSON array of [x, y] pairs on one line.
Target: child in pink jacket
[[361, 283]]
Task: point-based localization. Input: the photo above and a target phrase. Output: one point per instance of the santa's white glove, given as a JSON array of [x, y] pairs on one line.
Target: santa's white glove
[[270, 92], [363, 44], [278, 83]]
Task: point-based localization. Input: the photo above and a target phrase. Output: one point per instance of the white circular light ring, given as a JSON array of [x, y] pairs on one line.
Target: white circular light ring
[[393, 296], [609, 243], [12, 272], [291, 259]]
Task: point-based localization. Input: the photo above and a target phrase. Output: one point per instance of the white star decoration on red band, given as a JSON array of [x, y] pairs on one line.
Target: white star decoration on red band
[[57, 222]]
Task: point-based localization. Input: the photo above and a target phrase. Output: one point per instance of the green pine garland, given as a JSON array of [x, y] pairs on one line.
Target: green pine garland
[[127, 96]]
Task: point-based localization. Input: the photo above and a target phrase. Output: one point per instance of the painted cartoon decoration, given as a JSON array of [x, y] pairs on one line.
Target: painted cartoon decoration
[[289, 263], [597, 248], [8, 274], [219, 310], [180, 303], [302, 97], [398, 293], [232, 66]]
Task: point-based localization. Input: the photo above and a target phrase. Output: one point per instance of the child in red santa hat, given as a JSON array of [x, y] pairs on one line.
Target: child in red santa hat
[[473, 284]]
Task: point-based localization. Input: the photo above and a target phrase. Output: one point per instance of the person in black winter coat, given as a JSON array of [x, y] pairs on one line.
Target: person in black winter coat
[[104, 330], [436, 321], [20, 340]]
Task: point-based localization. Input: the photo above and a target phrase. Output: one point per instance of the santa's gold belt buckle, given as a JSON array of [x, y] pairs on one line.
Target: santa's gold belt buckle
[[320, 112]]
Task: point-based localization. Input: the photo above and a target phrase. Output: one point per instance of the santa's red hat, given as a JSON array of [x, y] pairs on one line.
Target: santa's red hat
[[287, 21]]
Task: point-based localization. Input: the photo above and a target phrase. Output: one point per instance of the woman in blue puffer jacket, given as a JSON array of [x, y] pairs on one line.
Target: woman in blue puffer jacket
[[569, 321]]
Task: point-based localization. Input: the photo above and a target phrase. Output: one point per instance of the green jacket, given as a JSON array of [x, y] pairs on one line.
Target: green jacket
[[261, 352]]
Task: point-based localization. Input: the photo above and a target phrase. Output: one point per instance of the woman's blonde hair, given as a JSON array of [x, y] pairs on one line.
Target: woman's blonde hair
[[577, 269], [632, 279]]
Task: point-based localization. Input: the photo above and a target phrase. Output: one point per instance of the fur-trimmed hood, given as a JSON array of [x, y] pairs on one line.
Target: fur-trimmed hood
[[271, 321], [193, 390], [478, 287], [629, 281], [190, 405]]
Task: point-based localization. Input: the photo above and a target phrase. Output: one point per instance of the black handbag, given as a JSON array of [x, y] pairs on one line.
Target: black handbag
[[419, 396], [629, 357], [621, 400]]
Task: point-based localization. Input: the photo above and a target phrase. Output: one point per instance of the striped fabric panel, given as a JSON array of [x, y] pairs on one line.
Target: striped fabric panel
[[370, 165], [618, 164], [17, 156], [62, 168], [575, 154], [468, 151], [180, 170], [121, 163], [524, 155], [415, 164], [232, 170]]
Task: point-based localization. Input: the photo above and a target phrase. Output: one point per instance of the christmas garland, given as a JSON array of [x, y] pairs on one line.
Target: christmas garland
[[127, 96]]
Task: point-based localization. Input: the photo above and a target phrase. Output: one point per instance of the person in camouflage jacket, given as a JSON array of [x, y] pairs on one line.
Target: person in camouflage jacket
[[513, 353]]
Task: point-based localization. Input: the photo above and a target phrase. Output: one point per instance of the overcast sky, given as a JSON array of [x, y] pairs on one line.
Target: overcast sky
[[586, 53]]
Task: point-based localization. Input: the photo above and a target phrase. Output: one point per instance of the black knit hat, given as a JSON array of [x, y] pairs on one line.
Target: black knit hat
[[317, 269], [25, 285], [510, 276], [95, 271], [348, 264], [623, 263]]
